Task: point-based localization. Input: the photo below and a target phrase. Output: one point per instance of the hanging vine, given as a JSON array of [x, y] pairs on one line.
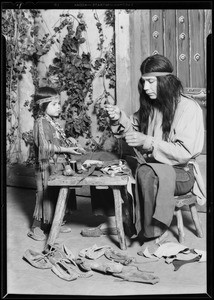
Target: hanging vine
[[23, 45], [74, 71], [109, 73], [15, 27], [75, 74]]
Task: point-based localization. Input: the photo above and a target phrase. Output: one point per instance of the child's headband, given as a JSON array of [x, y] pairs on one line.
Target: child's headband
[[44, 100], [155, 74]]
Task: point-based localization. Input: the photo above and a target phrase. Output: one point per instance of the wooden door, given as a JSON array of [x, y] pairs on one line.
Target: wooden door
[[181, 35]]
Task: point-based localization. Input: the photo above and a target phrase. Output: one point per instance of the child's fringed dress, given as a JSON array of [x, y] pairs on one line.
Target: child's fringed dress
[[47, 133]]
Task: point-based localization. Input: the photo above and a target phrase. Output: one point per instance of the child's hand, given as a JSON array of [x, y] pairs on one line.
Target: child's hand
[[73, 150]]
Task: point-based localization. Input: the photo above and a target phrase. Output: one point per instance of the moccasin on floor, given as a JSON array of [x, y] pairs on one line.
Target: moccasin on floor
[[136, 275], [96, 265], [63, 272], [94, 252], [98, 231], [58, 253], [70, 271], [37, 234], [36, 259], [65, 229], [119, 257]]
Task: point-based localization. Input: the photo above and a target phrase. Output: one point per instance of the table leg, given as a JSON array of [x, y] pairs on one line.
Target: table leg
[[118, 216], [58, 216]]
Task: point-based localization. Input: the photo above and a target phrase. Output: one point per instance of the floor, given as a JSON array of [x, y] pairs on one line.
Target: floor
[[24, 279]]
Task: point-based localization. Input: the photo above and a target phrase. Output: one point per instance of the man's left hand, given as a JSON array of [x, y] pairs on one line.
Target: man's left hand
[[135, 138]]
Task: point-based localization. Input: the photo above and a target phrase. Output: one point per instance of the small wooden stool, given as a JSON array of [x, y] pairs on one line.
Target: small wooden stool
[[71, 182], [190, 200]]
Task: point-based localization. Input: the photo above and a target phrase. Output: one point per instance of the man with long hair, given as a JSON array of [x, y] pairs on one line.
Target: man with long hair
[[166, 135]]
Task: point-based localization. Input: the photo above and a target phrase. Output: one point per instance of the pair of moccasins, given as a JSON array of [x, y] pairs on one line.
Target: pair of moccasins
[[64, 264], [121, 265], [60, 260]]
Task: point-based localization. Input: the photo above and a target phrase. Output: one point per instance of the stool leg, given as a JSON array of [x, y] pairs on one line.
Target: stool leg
[[196, 220], [58, 216], [119, 217], [180, 225]]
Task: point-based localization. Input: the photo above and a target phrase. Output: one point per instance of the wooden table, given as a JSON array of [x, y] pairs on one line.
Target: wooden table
[[71, 182]]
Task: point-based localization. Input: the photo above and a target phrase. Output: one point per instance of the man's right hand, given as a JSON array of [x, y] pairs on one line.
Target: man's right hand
[[113, 111]]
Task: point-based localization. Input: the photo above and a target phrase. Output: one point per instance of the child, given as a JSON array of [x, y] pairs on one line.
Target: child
[[51, 150]]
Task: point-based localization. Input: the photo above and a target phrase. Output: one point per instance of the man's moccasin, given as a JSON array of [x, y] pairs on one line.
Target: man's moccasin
[[98, 231]]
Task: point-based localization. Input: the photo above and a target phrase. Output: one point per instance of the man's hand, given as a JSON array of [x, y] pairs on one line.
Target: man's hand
[[113, 111], [72, 140], [135, 138]]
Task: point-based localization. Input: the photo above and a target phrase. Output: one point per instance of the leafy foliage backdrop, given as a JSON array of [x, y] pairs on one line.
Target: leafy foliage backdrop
[[73, 71]]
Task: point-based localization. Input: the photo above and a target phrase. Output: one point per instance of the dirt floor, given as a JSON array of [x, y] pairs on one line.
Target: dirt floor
[[23, 278]]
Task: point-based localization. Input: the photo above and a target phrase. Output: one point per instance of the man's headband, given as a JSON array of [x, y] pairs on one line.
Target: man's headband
[[156, 74], [44, 100]]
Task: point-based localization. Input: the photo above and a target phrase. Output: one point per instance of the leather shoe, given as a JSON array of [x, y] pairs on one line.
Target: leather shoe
[[98, 231], [65, 229], [36, 259], [37, 234]]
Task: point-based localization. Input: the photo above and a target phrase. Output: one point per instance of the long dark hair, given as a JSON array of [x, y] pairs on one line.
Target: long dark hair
[[41, 93], [169, 89]]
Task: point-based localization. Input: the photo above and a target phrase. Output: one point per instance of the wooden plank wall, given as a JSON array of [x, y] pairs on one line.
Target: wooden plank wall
[[170, 37], [123, 61], [156, 31], [138, 48], [178, 34], [182, 51], [197, 48]]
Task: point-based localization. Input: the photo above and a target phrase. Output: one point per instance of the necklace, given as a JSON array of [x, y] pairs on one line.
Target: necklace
[[60, 130]]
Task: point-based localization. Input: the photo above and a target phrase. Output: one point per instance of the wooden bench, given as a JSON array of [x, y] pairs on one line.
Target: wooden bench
[[189, 200], [71, 182]]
